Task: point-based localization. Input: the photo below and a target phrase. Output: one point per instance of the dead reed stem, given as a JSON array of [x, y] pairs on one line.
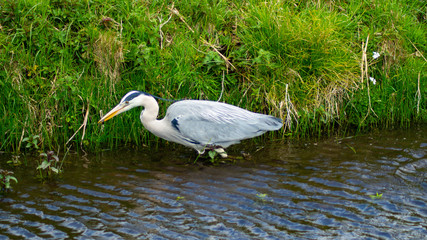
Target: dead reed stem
[[418, 94], [364, 74], [291, 112], [84, 124]]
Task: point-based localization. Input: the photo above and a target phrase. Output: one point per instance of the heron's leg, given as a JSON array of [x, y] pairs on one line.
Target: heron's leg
[[221, 152]]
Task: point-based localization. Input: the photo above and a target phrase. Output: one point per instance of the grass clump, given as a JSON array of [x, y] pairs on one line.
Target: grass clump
[[309, 62], [307, 49]]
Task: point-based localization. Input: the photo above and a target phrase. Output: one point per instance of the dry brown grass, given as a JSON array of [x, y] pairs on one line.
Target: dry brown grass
[[108, 55]]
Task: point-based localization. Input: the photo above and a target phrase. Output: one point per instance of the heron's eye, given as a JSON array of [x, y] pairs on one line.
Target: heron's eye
[[126, 102]]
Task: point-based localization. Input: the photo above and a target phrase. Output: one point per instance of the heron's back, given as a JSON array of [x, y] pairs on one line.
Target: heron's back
[[215, 123]]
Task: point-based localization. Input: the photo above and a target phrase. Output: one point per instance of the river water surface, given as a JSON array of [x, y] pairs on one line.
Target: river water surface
[[311, 190]]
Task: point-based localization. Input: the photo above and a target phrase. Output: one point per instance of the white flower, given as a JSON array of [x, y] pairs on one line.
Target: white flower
[[373, 80], [375, 55]]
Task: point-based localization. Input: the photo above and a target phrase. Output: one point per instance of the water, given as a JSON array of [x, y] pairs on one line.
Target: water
[[316, 190]]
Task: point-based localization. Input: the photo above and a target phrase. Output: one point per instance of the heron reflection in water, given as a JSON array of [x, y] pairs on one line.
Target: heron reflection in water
[[198, 124]]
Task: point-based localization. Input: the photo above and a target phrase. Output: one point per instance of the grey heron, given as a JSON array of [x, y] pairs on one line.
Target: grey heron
[[198, 124]]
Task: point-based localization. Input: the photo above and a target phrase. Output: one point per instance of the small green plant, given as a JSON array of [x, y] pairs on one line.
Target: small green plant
[[376, 196], [32, 142], [5, 177], [180, 198], [212, 154], [48, 168], [14, 161], [262, 196]]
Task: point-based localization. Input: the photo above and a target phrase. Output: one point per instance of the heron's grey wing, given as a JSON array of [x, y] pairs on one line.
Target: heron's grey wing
[[215, 123]]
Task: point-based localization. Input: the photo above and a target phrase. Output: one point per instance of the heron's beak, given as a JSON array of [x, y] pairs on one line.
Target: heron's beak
[[115, 111]]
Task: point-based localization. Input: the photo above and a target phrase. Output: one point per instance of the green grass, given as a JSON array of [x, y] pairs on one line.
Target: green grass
[[62, 59]]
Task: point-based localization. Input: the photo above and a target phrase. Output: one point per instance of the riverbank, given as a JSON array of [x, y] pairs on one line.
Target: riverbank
[[318, 66]]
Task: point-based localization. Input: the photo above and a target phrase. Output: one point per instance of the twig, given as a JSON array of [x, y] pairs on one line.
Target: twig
[[176, 12], [200, 51], [219, 53], [222, 86], [417, 49], [74, 134], [418, 94], [82, 126], [85, 122], [121, 29], [160, 29], [22, 137], [365, 73], [291, 112], [363, 66]]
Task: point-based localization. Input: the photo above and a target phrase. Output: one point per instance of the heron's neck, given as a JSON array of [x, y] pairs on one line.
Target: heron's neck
[[150, 112]]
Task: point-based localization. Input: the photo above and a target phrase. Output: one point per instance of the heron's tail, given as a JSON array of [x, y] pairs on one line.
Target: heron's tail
[[271, 123]]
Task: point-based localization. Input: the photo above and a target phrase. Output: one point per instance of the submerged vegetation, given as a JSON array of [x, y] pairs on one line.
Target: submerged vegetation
[[5, 180], [376, 196], [319, 65], [49, 167]]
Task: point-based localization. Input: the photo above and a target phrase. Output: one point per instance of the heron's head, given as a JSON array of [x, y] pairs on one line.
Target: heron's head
[[130, 100]]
